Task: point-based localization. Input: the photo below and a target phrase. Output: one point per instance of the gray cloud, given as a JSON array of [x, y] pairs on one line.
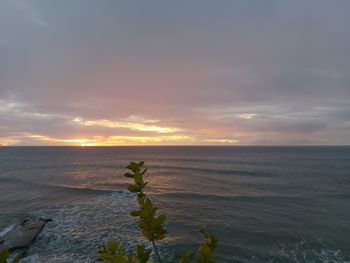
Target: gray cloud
[[190, 64]]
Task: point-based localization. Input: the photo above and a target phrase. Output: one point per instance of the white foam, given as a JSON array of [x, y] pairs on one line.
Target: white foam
[[78, 229], [7, 229], [305, 251]]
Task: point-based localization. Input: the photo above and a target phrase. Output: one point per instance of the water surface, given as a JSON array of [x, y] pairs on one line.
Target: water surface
[[265, 204]]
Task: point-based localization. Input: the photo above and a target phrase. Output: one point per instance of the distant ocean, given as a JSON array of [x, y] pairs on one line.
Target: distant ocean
[[265, 204]]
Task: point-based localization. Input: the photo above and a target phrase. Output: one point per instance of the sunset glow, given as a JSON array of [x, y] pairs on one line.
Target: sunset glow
[[98, 140]]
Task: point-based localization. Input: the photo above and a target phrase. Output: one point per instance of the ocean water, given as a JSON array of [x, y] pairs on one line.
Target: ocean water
[[265, 204]]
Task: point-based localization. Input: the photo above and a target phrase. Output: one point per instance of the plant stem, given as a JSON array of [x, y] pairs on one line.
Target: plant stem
[[156, 251]]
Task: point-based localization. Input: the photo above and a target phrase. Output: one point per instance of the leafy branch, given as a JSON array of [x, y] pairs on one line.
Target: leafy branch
[[152, 229], [206, 250], [114, 252], [150, 224]]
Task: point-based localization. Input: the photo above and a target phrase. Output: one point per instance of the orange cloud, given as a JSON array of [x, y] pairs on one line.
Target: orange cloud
[[225, 141], [8, 141], [136, 124], [96, 140]]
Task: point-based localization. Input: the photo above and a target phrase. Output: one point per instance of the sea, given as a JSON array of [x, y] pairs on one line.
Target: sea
[[264, 204]]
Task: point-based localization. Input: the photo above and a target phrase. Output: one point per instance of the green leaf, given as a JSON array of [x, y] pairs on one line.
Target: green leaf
[[148, 202], [206, 250], [113, 252], [132, 166], [201, 230], [112, 246], [135, 167], [129, 175], [138, 178], [135, 213], [141, 201], [4, 254], [16, 259], [142, 254], [121, 250], [186, 256], [140, 195], [159, 234], [160, 219], [107, 257], [134, 188]]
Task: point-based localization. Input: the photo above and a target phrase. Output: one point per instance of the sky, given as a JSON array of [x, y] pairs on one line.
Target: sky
[[223, 72]]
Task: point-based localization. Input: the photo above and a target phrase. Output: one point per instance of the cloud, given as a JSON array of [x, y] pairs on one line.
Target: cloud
[[223, 141], [247, 116], [30, 12], [210, 73], [132, 123]]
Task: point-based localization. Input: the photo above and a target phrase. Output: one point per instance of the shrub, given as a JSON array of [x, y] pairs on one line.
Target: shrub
[[152, 228]]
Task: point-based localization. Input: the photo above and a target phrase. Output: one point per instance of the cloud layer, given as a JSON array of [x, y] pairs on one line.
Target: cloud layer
[[174, 72]]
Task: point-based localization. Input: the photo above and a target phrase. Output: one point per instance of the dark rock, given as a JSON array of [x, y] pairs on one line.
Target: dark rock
[[22, 235]]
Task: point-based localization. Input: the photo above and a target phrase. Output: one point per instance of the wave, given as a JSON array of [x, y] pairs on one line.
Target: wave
[[212, 170], [11, 180], [82, 189], [64, 187], [212, 197], [78, 229]]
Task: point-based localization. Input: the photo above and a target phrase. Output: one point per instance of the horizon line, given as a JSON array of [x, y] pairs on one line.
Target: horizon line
[[196, 145]]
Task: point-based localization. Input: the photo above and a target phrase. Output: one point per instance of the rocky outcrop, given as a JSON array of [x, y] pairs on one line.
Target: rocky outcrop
[[22, 235]]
